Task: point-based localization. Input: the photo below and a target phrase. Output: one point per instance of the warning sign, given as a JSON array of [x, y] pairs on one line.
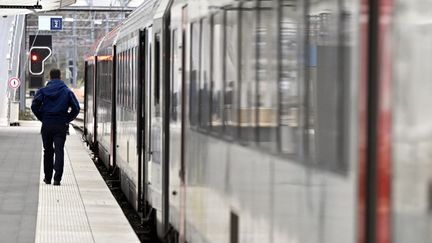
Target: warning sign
[[14, 82]]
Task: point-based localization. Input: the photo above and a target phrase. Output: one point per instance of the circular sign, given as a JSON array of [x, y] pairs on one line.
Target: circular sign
[[14, 82]]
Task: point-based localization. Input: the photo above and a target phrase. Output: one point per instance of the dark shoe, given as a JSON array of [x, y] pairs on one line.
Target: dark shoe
[[47, 181], [56, 183]]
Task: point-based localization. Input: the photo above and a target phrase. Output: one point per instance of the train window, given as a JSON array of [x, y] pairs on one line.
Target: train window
[[132, 107], [109, 64], [194, 74], [108, 76], [266, 47], [111, 68], [107, 79], [110, 71], [98, 77], [247, 121], [175, 83], [127, 73], [123, 80], [204, 91], [127, 80], [135, 78], [129, 88], [103, 79], [217, 73], [231, 73], [157, 76], [89, 94], [324, 86], [149, 63], [131, 78], [117, 77], [120, 80], [289, 79]]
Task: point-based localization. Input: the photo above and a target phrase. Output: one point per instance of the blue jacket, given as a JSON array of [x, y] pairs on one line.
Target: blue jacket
[[51, 104]]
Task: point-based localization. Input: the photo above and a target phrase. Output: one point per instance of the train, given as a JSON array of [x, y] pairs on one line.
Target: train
[[276, 121]]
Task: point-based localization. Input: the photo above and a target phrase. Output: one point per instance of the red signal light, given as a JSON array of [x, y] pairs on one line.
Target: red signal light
[[34, 58]]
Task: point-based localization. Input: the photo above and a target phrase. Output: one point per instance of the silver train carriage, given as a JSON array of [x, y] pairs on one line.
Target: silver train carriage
[[269, 120]]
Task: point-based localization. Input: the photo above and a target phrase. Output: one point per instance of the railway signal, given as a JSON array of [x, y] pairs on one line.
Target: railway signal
[[38, 56]]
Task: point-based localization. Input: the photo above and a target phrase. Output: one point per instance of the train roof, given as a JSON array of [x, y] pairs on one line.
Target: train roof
[[141, 17], [106, 43], [162, 8]]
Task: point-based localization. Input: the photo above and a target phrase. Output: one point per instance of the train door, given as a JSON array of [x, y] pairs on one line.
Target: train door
[[174, 117], [89, 102], [141, 116], [156, 127], [113, 150], [86, 69], [165, 101], [182, 173], [95, 100], [160, 124], [148, 110]]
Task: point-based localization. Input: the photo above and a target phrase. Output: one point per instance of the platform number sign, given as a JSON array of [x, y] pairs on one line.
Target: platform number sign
[[56, 23]]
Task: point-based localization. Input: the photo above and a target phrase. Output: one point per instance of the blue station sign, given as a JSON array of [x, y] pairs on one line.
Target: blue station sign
[[56, 23]]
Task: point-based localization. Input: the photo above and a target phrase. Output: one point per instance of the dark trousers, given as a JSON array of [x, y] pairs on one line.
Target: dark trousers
[[53, 139]]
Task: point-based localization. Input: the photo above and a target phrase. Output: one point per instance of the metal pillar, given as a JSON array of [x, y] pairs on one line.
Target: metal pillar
[[75, 54], [23, 67]]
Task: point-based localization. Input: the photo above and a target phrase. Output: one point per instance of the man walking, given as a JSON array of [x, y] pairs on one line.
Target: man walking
[[51, 106]]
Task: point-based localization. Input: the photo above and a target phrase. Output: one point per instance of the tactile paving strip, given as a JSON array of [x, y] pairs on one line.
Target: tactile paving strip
[[61, 212]]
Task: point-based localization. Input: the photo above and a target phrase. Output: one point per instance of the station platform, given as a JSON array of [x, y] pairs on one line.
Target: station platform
[[81, 210]]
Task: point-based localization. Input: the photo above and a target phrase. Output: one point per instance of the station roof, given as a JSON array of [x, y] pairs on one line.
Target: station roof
[[14, 7], [107, 3]]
